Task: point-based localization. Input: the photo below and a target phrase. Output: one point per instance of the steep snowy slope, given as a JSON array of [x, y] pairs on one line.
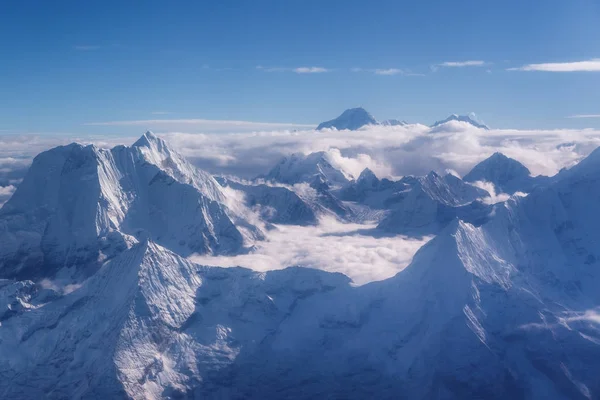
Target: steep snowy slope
[[300, 168], [507, 174], [432, 202], [351, 119], [74, 198]]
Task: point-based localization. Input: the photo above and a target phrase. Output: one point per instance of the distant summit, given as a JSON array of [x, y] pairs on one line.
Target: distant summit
[[393, 122], [470, 119], [351, 119]]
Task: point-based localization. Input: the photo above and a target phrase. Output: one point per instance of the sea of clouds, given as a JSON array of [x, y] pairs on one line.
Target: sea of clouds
[[388, 151]]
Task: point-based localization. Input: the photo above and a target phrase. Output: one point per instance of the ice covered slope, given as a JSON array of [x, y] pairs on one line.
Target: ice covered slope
[[300, 168], [70, 210], [432, 202], [351, 119], [469, 119]]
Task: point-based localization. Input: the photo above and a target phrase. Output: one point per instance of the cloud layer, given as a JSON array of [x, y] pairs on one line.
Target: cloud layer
[[388, 151], [332, 246]]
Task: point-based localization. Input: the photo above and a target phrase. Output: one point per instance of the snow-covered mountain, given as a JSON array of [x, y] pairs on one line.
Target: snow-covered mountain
[[275, 204], [300, 168], [469, 119], [374, 192], [433, 202], [502, 303], [351, 119], [79, 205], [393, 122], [506, 309], [507, 174]]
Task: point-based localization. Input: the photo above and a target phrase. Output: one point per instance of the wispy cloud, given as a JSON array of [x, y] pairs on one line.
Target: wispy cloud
[[592, 65], [386, 71], [584, 116], [310, 70], [298, 70], [86, 47], [389, 71], [271, 69], [460, 64], [204, 125]]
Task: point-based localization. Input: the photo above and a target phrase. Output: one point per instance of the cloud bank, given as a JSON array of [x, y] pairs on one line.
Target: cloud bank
[[388, 151], [332, 246]]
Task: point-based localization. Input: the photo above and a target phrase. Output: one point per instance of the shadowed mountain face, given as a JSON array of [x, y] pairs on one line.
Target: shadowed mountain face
[[503, 307]]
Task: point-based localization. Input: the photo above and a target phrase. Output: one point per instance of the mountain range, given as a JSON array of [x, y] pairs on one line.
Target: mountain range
[[356, 118], [98, 298]]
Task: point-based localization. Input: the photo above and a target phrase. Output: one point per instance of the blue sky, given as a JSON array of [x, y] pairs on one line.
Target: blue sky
[[73, 66]]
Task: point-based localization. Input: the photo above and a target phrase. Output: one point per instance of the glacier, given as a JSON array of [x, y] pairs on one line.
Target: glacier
[[502, 302]]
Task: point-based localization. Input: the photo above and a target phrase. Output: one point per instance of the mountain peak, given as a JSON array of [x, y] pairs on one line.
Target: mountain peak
[[351, 119], [298, 168], [367, 174], [507, 174], [393, 122], [471, 118], [149, 139]]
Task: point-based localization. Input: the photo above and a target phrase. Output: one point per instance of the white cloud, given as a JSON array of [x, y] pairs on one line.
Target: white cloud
[[310, 70], [5, 193], [388, 151], [575, 66], [389, 71], [331, 246], [298, 70], [391, 150], [459, 64], [491, 189], [584, 116]]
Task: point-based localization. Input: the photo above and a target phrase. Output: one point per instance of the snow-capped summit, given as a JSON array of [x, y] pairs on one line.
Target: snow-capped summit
[[470, 119], [351, 119], [367, 179], [393, 122], [79, 205], [300, 168]]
